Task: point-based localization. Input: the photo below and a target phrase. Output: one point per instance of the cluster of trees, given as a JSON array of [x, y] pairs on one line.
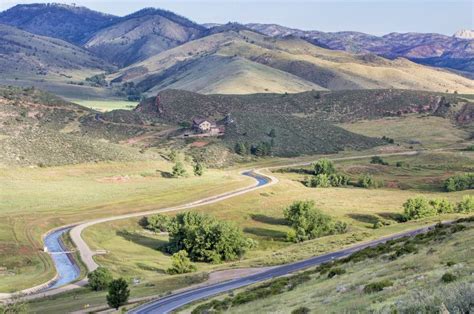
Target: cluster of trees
[[367, 181], [179, 170], [202, 237], [97, 80], [132, 93], [308, 222], [101, 279], [420, 207], [325, 175], [459, 182], [388, 139], [377, 160], [261, 149]]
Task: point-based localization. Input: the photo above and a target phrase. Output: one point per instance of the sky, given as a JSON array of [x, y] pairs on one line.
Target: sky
[[376, 17]]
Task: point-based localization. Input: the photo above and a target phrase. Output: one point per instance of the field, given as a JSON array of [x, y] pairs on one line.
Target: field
[[81, 192], [415, 283], [105, 105]]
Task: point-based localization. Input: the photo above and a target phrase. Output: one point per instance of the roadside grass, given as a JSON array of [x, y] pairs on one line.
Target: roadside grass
[[412, 130], [413, 275], [135, 252], [105, 105], [35, 200]]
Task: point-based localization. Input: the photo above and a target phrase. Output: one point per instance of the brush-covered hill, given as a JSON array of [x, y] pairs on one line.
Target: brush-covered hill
[[71, 23], [451, 52], [38, 128], [233, 61], [26, 55], [141, 35]]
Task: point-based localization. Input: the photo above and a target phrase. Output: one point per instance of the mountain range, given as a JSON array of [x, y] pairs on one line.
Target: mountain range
[[157, 49]]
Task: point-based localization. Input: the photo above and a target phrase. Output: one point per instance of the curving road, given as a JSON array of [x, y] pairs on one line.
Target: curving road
[[175, 301]]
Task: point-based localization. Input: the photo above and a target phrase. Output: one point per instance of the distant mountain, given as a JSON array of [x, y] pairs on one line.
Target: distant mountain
[[430, 49], [26, 55], [141, 35], [71, 23], [239, 62], [464, 34]]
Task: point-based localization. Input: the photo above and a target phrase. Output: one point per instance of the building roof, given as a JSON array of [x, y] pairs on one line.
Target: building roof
[[198, 121]]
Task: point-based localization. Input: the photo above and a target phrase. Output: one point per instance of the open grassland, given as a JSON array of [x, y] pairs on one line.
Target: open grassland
[[105, 105], [34, 200], [413, 130], [135, 253], [415, 283]]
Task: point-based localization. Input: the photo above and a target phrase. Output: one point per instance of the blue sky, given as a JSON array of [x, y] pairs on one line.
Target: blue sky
[[370, 16]]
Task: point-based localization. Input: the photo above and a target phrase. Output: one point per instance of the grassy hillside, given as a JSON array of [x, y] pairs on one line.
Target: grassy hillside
[[25, 55], [327, 69]]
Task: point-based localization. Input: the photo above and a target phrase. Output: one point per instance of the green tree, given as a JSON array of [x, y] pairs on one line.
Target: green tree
[[178, 170], [198, 169], [324, 166], [442, 206], [118, 293], [181, 264], [378, 160], [99, 279], [418, 207], [367, 181], [466, 205], [157, 223], [459, 182]]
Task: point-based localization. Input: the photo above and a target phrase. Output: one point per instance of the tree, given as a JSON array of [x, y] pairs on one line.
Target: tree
[[198, 169], [118, 293], [241, 149], [459, 182], [157, 223], [367, 181], [378, 160], [99, 279], [181, 264], [309, 222], [206, 239], [178, 170], [466, 205], [324, 166], [442, 206], [418, 207]]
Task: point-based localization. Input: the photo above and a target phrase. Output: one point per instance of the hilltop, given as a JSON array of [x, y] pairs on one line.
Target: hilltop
[[141, 35], [244, 59], [77, 23]]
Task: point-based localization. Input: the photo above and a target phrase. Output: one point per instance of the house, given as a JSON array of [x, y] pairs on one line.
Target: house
[[203, 125]]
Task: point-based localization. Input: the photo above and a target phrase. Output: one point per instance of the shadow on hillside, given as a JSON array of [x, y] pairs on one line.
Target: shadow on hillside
[[296, 170], [266, 233], [142, 240], [365, 218], [150, 268], [269, 220], [392, 216], [165, 174]]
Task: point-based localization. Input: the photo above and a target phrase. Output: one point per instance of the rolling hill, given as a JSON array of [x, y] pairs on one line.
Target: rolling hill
[[141, 35], [244, 54], [71, 23], [26, 55], [455, 53]]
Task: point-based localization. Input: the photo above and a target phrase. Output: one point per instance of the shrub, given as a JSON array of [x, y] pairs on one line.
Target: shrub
[[442, 206], [157, 223], [198, 169], [368, 182], [459, 182], [300, 310], [118, 293], [466, 205], [321, 181], [99, 279], [418, 207], [448, 277], [324, 181], [324, 166], [377, 286], [181, 264], [338, 180], [206, 239], [378, 160], [178, 170], [336, 271]]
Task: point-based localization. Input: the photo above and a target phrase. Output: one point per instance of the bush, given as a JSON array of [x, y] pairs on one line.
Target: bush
[[442, 206], [198, 169], [459, 182], [336, 271], [206, 239], [448, 277], [308, 222], [178, 170], [181, 264], [300, 310], [324, 166], [118, 293], [418, 207], [377, 286], [324, 181], [378, 160], [157, 223], [466, 205], [99, 279], [368, 182]]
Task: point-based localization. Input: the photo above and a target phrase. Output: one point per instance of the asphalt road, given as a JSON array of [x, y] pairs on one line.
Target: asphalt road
[[175, 301]]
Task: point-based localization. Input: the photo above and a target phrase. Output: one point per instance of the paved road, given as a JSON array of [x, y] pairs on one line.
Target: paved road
[[175, 301]]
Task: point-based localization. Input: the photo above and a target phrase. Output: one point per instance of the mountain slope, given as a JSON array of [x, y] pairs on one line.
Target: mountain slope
[[320, 68], [68, 22], [141, 35], [26, 55], [433, 49]]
